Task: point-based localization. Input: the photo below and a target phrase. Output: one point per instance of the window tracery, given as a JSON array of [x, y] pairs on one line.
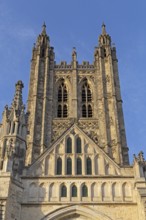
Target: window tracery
[[62, 111], [86, 100]]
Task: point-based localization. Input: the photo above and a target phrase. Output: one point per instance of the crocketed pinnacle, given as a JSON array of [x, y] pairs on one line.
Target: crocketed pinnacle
[[17, 101]]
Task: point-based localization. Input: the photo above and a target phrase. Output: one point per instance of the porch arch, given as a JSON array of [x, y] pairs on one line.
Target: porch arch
[[76, 211]]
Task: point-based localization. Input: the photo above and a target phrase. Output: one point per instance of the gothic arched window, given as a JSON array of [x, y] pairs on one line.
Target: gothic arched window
[[79, 166], [89, 111], [59, 166], [59, 111], [65, 111], [74, 191], [62, 111], [69, 166], [78, 145], [86, 100], [84, 112], [89, 166], [84, 191], [63, 191], [69, 145]]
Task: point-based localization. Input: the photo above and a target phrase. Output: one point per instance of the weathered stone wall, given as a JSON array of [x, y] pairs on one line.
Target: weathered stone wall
[[13, 209], [112, 211]]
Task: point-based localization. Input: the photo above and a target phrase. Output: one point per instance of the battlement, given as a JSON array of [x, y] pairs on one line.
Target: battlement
[[63, 65]]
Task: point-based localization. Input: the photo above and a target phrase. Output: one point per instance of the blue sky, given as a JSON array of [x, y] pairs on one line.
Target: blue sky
[[77, 23]]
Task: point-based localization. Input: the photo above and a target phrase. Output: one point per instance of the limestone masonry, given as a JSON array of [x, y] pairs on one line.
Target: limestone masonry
[[66, 156]]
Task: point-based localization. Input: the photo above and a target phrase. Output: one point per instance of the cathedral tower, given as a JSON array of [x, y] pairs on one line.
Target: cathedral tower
[[67, 157], [86, 94], [40, 99]]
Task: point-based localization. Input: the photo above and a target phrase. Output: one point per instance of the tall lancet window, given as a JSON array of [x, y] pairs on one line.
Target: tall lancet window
[[69, 145], [62, 111], [59, 166], [79, 166], [78, 145], [69, 166], [63, 191], [74, 191], [86, 101], [84, 191], [89, 166]]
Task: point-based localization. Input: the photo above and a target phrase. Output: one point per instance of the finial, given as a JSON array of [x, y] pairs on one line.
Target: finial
[[74, 58], [74, 51], [44, 28], [19, 84], [103, 29], [17, 101]]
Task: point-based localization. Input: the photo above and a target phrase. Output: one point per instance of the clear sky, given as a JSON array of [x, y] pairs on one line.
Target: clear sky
[[77, 23]]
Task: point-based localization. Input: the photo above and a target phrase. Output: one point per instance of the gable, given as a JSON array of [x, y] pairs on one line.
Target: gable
[[74, 148]]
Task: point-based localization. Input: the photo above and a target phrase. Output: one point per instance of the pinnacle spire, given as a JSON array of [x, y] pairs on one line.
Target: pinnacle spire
[[103, 29], [44, 28], [17, 101], [74, 53]]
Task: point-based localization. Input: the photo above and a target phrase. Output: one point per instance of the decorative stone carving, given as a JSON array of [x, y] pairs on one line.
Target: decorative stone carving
[[60, 76], [59, 126], [89, 77], [140, 158], [90, 128]]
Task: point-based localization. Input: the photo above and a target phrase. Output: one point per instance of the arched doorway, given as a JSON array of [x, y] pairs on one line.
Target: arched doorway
[[76, 212]]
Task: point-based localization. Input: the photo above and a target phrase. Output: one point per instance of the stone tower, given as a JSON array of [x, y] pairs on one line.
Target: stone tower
[[67, 157], [88, 94]]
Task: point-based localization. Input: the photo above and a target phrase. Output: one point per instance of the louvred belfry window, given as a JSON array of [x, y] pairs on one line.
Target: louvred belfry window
[[62, 111], [86, 101]]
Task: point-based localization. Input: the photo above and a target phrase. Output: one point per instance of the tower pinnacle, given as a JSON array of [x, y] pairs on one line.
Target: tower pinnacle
[[103, 29], [104, 38], [44, 28], [17, 101]]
